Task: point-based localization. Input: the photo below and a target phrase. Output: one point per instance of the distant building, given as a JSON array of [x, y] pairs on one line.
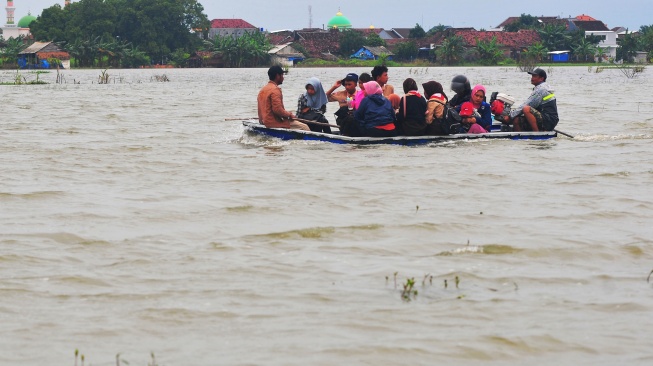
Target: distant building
[[339, 22], [372, 53], [43, 55], [13, 30], [285, 55], [230, 27]]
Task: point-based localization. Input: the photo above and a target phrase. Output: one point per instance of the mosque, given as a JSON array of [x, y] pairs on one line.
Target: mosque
[[339, 22], [15, 30]]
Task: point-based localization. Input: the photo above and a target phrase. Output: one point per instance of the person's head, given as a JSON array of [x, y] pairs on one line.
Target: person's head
[[380, 74], [478, 94], [460, 85], [466, 109], [349, 82], [372, 87], [410, 85], [538, 76], [364, 78], [310, 90], [433, 87], [275, 73]]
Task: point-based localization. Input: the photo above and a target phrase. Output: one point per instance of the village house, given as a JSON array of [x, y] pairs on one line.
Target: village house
[[230, 27], [285, 55], [43, 55], [372, 53]]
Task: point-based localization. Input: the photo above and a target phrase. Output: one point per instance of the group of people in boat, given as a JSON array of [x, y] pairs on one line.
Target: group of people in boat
[[375, 110]]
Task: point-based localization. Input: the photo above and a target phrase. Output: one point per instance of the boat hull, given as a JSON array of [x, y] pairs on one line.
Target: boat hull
[[287, 134]]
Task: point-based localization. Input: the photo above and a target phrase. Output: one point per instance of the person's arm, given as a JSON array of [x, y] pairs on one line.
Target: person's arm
[[302, 106], [400, 115], [276, 97], [486, 117], [332, 97], [534, 100]]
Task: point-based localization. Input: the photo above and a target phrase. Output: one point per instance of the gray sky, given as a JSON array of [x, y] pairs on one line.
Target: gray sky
[[293, 14]]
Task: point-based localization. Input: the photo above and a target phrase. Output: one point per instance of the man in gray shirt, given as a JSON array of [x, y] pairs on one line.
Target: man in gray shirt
[[539, 112]]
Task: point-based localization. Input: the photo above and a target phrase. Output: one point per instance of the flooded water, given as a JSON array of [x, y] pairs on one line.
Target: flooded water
[[135, 219]]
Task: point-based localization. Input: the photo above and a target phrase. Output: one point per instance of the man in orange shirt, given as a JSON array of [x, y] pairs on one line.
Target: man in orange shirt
[[271, 111]]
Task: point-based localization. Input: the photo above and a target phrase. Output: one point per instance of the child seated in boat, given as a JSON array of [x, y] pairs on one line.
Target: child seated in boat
[[374, 115], [476, 114], [311, 106]]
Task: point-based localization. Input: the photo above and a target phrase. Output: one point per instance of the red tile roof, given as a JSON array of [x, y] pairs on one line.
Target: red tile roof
[[523, 38], [316, 43], [584, 17], [231, 23], [281, 37]]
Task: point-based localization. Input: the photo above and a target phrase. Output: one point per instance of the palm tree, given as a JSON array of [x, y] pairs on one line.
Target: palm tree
[[554, 37], [537, 51], [14, 46], [452, 49], [585, 49], [489, 52]]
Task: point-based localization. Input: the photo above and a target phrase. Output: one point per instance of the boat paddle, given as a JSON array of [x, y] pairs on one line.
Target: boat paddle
[[240, 119], [562, 133], [316, 123]]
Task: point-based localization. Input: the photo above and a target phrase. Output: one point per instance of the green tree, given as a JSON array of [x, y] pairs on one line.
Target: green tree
[[350, 42], [406, 51], [537, 52], [525, 21], [9, 53], [251, 49], [374, 40], [489, 52], [628, 47], [646, 39], [584, 50], [51, 25], [417, 32], [153, 26], [554, 37], [179, 57], [451, 51], [436, 29]]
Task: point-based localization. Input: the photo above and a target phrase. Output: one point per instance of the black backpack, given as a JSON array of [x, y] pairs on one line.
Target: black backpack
[[451, 121]]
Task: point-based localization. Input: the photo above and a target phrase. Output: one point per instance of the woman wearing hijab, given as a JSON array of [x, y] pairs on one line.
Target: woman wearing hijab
[[311, 105], [480, 120], [411, 119], [434, 92], [375, 115]]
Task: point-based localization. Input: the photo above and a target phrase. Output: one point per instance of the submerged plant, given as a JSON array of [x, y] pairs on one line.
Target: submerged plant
[[409, 293], [103, 78]]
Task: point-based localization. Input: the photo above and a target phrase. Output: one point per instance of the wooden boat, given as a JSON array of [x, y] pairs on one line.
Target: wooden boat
[[253, 126]]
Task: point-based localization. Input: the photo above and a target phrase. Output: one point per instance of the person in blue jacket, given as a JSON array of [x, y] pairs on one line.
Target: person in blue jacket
[[375, 115], [481, 119]]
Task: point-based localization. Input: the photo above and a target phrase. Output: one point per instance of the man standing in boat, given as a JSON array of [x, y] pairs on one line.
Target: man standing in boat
[[271, 111], [540, 111]]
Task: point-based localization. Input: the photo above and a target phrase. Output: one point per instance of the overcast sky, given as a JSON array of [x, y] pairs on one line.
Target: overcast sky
[[294, 14]]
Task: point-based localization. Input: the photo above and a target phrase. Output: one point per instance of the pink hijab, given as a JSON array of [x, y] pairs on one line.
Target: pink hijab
[[372, 87], [477, 88]]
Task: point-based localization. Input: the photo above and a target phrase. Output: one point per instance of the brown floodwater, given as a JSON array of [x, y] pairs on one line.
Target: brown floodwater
[[135, 219]]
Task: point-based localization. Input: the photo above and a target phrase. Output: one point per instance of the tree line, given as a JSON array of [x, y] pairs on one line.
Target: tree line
[[123, 33]]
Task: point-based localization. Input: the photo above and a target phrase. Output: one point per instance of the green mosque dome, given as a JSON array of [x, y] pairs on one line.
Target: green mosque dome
[[339, 21], [25, 21]]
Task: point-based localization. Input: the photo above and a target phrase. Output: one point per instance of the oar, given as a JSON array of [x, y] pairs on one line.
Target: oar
[[239, 119], [316, 123], [562, 133]]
